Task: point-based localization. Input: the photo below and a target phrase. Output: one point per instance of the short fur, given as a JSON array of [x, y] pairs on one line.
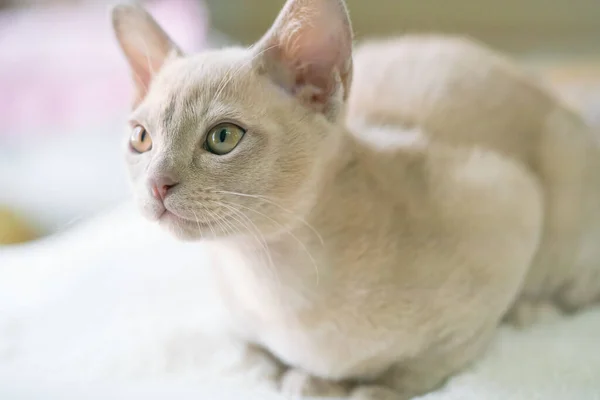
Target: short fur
[[384, 224]]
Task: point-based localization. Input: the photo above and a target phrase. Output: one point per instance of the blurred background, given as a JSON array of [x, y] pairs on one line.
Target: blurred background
[[65, 88]]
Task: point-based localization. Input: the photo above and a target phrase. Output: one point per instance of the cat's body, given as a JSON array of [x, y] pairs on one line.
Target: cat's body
[[448, 172], [350, 308], [378, 249], [460, 93]]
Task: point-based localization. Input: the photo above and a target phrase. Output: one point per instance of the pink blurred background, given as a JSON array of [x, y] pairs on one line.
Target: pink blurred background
[[61, 67]]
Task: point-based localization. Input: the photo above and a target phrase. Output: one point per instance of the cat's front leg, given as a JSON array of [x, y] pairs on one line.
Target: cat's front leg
[[526, 312], [297, 383], [374, 392], [260, 365]]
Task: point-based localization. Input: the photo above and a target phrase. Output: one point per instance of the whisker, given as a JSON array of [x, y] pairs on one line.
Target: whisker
[[289, 233], [269, 201], [210, 226], [259, 237], [198, 223], [216, 219]]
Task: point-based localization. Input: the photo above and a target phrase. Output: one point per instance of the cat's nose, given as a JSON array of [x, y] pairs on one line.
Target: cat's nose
[[160, 186]]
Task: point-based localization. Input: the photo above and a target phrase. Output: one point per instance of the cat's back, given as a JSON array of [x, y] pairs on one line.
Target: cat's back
[[452, 87]]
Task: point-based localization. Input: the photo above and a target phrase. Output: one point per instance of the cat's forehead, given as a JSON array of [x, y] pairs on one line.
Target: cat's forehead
[[206, 72], [193, 83]]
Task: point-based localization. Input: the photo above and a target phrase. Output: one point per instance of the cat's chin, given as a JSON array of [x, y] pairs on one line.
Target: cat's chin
[[182, 228]]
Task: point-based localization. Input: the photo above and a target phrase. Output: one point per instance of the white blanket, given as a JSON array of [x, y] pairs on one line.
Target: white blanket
[[115, 309]]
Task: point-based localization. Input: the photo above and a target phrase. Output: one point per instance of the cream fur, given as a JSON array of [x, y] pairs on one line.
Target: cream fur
[[379, 243]]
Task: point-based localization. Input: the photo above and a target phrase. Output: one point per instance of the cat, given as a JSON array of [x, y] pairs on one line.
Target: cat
[[389, 205]]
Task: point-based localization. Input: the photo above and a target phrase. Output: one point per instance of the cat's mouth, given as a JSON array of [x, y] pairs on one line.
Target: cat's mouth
[[173, 219], [199, 225]]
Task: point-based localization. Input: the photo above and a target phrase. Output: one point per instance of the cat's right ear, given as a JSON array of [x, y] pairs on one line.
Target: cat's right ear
[[145, 44]]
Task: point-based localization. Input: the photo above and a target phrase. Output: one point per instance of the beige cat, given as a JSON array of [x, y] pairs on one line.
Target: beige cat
[[384, 224]]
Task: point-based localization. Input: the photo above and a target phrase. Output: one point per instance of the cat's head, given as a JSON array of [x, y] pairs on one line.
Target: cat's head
[[234, 140]]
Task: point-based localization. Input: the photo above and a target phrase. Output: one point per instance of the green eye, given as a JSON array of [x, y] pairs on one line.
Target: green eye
[[223, 138]]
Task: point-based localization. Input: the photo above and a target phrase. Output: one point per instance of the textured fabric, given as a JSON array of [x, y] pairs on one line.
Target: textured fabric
[[117, 309]]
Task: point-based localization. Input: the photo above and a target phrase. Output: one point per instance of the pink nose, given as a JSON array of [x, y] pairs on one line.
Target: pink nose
[[161, 185]]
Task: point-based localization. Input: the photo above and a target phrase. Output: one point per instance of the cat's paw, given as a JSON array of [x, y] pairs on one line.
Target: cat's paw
[[296, 383], [581, 291], [375, 393], [526, 313], [260, 366]]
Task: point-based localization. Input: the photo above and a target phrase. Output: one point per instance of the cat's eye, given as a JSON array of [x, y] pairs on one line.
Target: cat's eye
[[140, 140], [223, 138]]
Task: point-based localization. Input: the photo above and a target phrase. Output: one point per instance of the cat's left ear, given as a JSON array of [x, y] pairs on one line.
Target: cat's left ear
[[308, 51], [145, 44]]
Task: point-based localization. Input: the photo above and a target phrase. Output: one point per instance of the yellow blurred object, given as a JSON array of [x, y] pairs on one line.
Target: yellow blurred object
[[13, 229]]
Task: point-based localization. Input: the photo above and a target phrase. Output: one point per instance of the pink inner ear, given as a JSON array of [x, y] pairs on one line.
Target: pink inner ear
[[142, 73], [145, 44], [314, 43], [143, 69]]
